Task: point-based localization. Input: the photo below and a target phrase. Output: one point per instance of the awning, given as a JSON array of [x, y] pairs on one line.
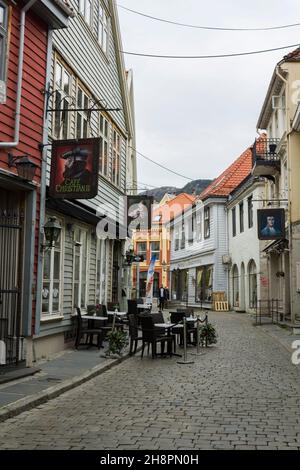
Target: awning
[[277, 246]]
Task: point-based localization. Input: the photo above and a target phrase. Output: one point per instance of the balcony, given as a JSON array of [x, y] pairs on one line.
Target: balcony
[[265, 157]]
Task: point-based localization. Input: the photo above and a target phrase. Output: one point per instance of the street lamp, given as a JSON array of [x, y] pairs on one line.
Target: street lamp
[[25, 167], [52, 230]]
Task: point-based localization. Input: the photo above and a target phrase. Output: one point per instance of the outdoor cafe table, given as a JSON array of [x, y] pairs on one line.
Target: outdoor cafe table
[[144, 306], [93, 317], [118, 314]]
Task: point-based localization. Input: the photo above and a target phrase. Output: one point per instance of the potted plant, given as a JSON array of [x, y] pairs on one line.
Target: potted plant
[[208, 335], [117, 341]]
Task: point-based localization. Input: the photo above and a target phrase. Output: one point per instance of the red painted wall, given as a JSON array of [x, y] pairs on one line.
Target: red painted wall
[[32, 103]]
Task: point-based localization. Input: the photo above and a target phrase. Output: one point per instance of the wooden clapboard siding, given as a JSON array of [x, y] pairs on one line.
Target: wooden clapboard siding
[[32, 104]]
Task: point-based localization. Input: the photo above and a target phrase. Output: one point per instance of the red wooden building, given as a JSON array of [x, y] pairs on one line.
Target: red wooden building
[[25, 49]]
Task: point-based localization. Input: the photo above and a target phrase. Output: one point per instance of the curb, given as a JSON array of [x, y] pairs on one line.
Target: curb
[[27, 403]]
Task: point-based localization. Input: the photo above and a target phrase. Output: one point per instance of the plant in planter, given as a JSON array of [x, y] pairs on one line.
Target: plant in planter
[[208, 335], [117, 341]]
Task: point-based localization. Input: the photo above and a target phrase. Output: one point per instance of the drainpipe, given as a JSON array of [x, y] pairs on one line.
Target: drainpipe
[[20, 78], [39, 281], [288, 132]]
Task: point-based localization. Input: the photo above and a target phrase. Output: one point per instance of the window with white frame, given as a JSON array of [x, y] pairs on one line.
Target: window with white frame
[[116, 158], [3, 38], [104, 150], [61, 101], [206, 222], [101, 267], [80, 268], [176, 239], [85, 8], [199, 227], [103, 22], [182, 240], [155, 249], [82, 115], [141, 249], [51, 291]]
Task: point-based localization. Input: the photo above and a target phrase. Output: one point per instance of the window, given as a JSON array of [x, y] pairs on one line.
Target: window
[[51, 292], [250, 211], [103, 28], [155, 249], [204, 283], [61, 101], [85, 8], [192, 226], [233, 212], [182, 242], [199, 227], [82, 116], [176, 239], [104, 138], [116, 158], [241, 206], [252, 275], [206, 222], [3, 38], [80, 268], [101, 261], [141, 249], [235, 286]]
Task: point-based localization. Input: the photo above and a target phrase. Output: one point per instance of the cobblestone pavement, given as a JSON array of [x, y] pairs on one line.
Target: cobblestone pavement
[[243, 394]]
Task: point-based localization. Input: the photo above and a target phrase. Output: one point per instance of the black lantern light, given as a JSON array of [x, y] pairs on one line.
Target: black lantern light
[[25, 167], [52, 231]]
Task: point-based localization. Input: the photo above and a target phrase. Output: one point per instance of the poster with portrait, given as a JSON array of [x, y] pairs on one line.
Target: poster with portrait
[[271, 224], [139, 213], [74, 169]]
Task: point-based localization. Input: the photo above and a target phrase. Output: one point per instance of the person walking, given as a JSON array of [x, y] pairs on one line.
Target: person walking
[[161, 298]]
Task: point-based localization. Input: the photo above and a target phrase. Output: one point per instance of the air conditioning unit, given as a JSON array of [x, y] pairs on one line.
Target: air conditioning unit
[[226, 259]]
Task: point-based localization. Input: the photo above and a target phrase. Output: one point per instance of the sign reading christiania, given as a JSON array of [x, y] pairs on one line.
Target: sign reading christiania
[[74, 169]]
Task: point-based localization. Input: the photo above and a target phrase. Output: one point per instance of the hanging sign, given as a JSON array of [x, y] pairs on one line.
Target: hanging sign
[[74, 169], [271, 224]]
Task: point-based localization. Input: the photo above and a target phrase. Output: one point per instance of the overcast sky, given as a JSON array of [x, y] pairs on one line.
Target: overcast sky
[[197, 116]]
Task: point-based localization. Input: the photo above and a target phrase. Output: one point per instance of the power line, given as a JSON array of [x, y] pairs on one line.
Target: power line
[[161, 166], [237, 54], [214, 28]]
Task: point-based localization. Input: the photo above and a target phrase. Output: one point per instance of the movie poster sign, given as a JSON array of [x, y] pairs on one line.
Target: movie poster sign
[[139, 213], [271, 224], [74, 169]]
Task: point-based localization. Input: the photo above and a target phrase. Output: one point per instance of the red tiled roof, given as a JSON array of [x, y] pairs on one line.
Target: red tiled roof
[[172, 208], [292, 56], [231, 177]]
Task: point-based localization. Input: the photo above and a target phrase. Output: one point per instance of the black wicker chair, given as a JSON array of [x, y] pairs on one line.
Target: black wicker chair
[[151, 337], [90, 332]]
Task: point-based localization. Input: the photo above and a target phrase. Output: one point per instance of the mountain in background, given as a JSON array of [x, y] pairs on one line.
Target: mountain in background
[[196, 186]]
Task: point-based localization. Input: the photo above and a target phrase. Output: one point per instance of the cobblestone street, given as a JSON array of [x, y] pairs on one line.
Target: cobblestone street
[[243, 393]]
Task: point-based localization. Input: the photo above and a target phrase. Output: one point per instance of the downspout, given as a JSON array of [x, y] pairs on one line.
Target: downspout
[[20, 78], [43, 189], [288, 134]]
